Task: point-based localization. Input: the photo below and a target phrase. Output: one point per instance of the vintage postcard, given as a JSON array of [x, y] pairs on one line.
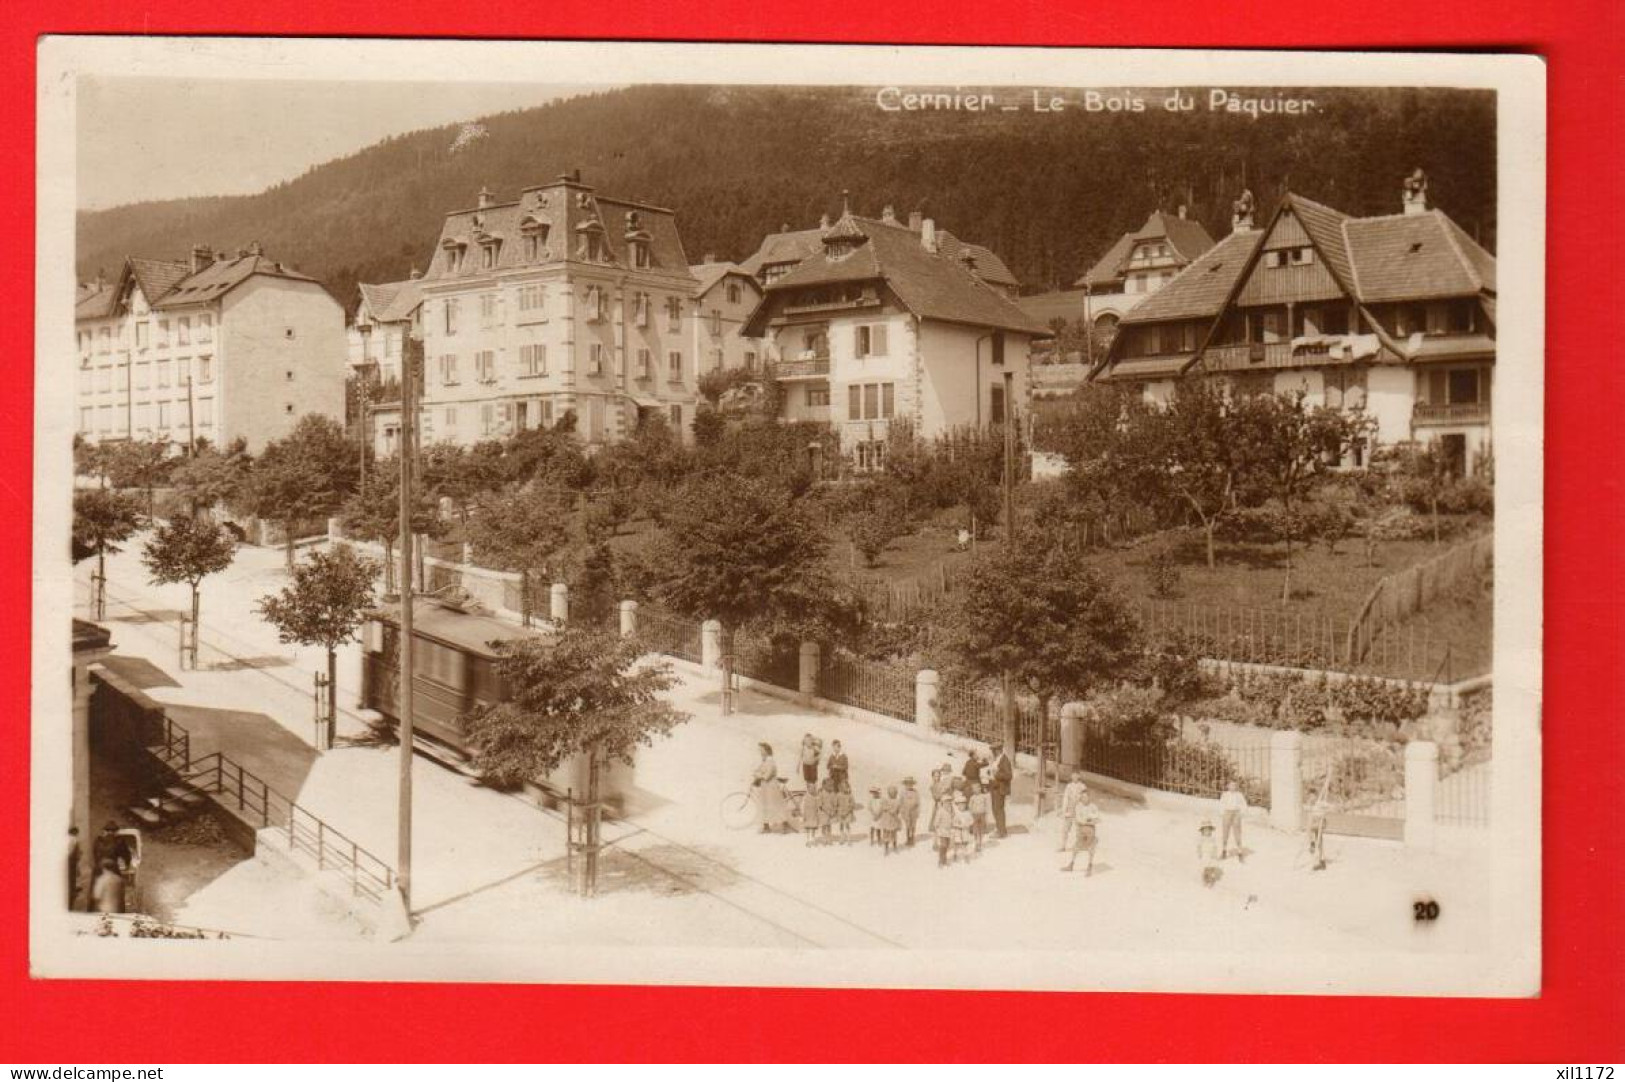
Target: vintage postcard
[[786, 515]]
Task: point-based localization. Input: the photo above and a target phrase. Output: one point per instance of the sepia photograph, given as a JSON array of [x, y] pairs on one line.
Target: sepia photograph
[[788, 515]]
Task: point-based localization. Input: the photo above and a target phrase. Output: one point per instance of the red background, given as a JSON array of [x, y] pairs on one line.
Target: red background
[[1580, 1017]]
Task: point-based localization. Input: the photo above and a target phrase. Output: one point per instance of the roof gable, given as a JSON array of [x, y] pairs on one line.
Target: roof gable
[[1201, 289], [932, 285]]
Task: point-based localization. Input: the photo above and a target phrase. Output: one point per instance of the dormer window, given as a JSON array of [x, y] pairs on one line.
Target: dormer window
[[535, 231], [488, 255], [453, 257], [590, 242], [641, 258]]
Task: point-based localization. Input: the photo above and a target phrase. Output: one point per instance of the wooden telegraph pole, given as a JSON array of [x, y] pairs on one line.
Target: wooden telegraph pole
[[408, 448], [1009, 541]]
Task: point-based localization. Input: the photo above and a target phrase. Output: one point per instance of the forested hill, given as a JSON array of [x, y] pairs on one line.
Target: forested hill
[[1046, 191]]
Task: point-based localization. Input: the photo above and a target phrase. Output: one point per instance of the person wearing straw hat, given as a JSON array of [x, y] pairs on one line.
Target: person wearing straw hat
[[1207, 852]]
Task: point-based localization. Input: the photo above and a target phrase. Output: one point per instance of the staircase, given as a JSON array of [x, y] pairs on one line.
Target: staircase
[[173, 804]]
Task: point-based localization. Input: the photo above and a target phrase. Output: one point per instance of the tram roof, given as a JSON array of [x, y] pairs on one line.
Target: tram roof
[[471, 631]]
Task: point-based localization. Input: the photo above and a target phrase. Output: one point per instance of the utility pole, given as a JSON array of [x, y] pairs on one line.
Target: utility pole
[[403, 858], [363, 405], [1009, 542]]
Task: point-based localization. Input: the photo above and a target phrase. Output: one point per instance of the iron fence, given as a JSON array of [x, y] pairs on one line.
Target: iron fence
[[977, 711], [1299, 640], [1462, 797], [868, 685], [759, 658], [1193, 767], [663, 633]]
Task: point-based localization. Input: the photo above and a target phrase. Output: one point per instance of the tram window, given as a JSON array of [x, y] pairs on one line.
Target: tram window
[[487, 685], [442, 664]]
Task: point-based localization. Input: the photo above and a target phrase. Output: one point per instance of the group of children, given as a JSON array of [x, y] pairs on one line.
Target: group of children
[[958, 821]]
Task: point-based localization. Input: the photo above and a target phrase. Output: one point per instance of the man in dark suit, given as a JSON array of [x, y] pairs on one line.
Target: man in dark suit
[[1004, 772]]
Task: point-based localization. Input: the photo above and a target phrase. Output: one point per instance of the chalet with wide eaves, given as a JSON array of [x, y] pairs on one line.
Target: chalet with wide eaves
[[1392, 314]]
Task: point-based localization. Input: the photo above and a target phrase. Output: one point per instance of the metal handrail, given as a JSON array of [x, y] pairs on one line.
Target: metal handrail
[[257, 802]]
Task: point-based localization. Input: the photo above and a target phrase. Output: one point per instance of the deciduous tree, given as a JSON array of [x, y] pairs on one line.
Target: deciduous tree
[[1049, 622], [581, 691], [188, 550], [741, 551], [323, 606], [103, 519], [306, 475]]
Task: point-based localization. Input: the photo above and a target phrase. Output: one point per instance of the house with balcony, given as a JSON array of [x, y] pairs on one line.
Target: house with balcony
[[781, 252], [1137, 265], [387, 317], [218, 347], [560, 301], [1392, 314], [884, 323]]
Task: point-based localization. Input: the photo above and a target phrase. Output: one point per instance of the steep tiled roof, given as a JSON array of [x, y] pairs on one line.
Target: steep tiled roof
[[222, 276], [709, 274], [1109, 268], [1187, 238], [157, 277], [795, 245], [569, 210], [97, 303], [1325, 228], [170, 284], [932, 285], [1200, 290], [392, 302], [1414, 256]]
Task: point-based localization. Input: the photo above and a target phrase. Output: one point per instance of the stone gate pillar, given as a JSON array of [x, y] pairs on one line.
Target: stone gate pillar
[[1421, 780], [926, 714], [559, 603], [629, 619], [1286, 780], [807, 669], [711, 644]]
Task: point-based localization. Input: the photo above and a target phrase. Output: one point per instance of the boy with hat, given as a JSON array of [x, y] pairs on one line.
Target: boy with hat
[[874, 814], [962, 826]]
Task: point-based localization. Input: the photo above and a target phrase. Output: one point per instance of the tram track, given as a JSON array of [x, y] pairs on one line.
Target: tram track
[[838, 931]]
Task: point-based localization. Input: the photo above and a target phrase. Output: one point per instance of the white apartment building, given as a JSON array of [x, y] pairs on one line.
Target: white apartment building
[[216, 347], [882, 323], [556, 302]]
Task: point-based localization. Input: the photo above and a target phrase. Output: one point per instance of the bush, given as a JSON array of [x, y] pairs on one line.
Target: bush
[[1162, 573], [1202, 769], [1129, 713]]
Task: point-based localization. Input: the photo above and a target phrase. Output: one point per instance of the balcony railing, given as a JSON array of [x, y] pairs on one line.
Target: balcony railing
[[1455, 413], [802, 368]]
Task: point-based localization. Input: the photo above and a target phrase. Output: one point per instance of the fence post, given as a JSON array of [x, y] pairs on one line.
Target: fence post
[[629, 619], [559, 603], [1421, 778], [711, 644], [807, 669], [1286, 780], [1072, 715], [335, 528], [925, 700]]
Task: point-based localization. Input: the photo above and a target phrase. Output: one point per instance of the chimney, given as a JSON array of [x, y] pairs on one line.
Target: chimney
[[415, 274], [889, 215], [823, 221], [914, 220], [1416, 193], [928, 235], [1241, 212], [242, 253], [575, 175], [485, 197], [709, 257], [255, 249], [201, 257], [1181, 211]]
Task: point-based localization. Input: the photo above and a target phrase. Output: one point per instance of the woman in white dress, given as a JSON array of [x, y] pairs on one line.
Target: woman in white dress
[[769, 793]]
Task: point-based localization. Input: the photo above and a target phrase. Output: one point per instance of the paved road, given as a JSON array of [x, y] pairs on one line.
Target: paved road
[[489, 867]]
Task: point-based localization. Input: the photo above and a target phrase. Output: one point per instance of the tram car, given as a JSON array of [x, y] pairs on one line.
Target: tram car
[[454, 662]]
